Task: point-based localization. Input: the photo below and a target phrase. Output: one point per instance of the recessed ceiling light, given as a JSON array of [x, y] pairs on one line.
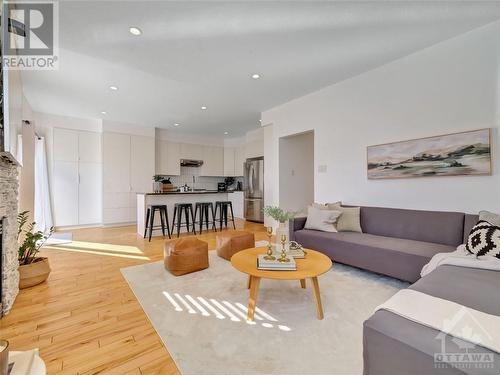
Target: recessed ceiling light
[[255, 76], [226, 133], [135, 31], [204, 107], [176, 124], [114, 88], [104, 112]]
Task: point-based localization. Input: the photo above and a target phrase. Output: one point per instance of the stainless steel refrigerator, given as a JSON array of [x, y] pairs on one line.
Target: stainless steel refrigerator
[[254, 189]]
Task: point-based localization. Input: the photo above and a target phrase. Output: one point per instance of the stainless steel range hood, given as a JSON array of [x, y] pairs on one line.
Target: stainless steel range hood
[[191, 163]]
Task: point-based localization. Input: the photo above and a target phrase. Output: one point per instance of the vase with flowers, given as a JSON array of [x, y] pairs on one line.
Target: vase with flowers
[[282, 217]]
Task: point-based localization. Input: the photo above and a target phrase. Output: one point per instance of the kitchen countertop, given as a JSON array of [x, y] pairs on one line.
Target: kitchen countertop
[[192, 192]]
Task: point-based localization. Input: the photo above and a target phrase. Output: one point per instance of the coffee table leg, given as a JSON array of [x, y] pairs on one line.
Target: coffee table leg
[[254, 291], [249, 282], [303, 283], [317, 295]]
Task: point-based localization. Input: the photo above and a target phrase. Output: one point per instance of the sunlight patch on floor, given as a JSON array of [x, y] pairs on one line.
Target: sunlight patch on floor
[[235, 312], [95, 248]]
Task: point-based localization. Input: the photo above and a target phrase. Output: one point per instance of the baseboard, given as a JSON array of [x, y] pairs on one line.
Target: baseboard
[[116, 225], [74, 227]]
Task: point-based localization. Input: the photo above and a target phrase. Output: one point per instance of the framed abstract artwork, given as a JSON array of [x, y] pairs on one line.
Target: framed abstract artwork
[[466, 153]]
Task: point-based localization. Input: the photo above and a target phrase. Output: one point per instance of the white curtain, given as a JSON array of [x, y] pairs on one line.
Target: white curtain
[[42, 211]]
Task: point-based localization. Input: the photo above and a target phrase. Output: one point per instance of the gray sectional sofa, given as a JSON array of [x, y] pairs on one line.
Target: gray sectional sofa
[[394, 242], [398, 243], [393, 345]]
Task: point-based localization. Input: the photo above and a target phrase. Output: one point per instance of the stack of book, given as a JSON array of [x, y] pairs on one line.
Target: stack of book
[[297, 253], [275, 265]]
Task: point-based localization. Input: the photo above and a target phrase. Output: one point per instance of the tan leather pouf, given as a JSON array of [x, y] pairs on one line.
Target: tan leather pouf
[[230, 242], [185, 256]]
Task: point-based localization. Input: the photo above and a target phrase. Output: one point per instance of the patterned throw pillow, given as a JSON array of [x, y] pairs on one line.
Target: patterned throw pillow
[[484, 239]]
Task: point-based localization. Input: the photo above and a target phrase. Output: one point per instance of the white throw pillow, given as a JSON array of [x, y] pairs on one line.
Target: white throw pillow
[[321, 219]]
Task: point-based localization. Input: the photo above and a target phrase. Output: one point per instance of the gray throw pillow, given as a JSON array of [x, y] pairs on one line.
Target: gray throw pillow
[[490, 217], [350, 220]]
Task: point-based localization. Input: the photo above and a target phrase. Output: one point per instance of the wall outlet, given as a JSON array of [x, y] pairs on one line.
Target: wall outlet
[[322, 168]]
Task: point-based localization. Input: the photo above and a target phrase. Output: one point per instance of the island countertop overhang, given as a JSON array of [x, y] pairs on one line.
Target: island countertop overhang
[[191, 192]]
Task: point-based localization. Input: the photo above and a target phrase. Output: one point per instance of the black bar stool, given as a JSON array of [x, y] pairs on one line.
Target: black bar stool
[[177, 220], [204, 214], [150, 219], [222, 207]]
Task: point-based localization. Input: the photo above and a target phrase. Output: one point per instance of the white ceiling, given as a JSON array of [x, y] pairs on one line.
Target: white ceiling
[[204, 53]]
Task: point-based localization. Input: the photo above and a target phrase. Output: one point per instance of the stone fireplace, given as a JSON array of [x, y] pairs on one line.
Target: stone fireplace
[[9, 187]]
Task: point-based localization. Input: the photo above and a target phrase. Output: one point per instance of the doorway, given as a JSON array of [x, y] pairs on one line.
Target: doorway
[[296, 171]]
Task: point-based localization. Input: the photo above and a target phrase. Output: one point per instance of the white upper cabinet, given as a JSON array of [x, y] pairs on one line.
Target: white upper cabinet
[[65, 145], [89, 147], [213, 161], [168, 156], [142, 163], [116, 163], [191, 151], [229, 161], [239, 160]]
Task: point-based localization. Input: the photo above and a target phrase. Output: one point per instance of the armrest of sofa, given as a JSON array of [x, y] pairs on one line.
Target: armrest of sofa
[[296, 224]]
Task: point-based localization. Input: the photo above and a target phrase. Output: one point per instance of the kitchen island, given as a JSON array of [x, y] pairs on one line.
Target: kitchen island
[[171, 198]]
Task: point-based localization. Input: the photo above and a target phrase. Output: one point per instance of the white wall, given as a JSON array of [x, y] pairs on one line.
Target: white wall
[[27, 171], [296, 172], [449, 87], [126, 128], [173, 136]]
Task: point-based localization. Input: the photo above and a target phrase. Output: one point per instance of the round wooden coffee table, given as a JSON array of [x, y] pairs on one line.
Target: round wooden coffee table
[[314, 265]]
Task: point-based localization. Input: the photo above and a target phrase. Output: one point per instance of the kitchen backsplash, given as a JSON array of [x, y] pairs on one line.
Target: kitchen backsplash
[[200, 182]]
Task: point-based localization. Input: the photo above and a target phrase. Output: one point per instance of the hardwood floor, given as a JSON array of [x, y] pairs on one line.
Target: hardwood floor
[[85, 319]]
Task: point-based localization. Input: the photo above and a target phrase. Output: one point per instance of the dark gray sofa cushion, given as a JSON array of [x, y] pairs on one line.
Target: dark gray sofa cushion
[[444, 228], [395, 257], [412, 346]]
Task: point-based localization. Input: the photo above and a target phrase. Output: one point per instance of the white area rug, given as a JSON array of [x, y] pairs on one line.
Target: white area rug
[[201, 319]]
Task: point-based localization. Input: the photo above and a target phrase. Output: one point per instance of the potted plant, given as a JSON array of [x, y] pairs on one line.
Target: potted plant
[[157, 183], [282, 217], [33, 270]]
